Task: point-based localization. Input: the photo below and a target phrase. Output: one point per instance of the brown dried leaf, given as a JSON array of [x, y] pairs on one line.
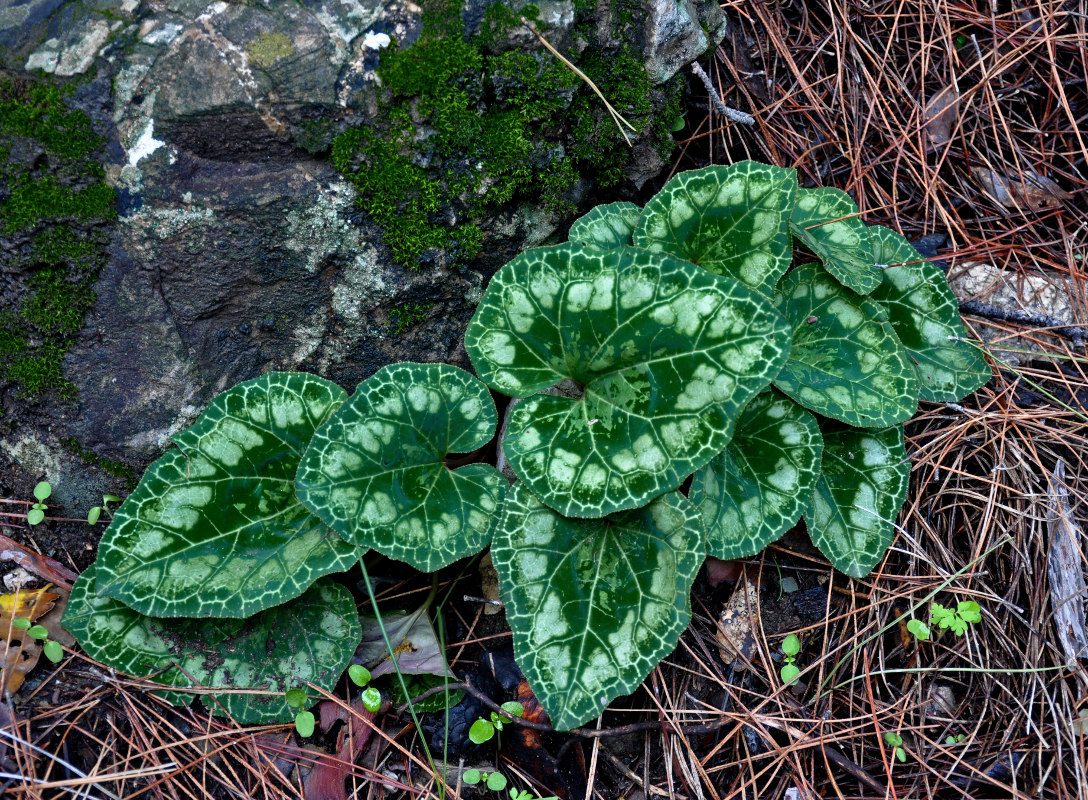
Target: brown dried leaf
[[18, 652], [941, 113], [1034, 191]]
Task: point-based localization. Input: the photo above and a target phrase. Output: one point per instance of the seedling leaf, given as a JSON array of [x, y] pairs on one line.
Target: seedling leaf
[[359, 674], [919, 629], [309, 639], [481, 731], [42, 491], [826, 220], [372, 699], [606, 226], [513, 708], [925, 315], [93, 515], [375, 471], [668, 354], [789, 673], [53, 651], [730, 220], [862, 486], [472, 777], [496, 781], [34, 516], [969, 611], [846, 362], [304, 724], [757, 487], [296, 698], [791, 645], [214, 529], [594, 604]]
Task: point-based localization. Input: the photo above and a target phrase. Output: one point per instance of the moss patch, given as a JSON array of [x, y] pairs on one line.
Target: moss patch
[[407, 316], [467, 130], [53, 201]]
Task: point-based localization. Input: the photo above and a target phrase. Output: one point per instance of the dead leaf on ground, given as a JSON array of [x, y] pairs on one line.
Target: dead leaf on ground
[[736, 625], [1065, 570], [1029, 188], [941, 113], [19, 653]]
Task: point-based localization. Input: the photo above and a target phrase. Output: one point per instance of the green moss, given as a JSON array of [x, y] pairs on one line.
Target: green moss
[[407, 316], [31, 202], [115, 468], [468, 131], [37, 111], [50, 215]]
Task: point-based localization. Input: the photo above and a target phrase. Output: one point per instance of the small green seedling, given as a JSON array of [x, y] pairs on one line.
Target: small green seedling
[[896, 741], [483, 730], [919, 629], [495, 781], [958, 620], [304, 720], [791, 646], [952, 740], [53, 651], [96, 511], [37, 511], [371, 697]]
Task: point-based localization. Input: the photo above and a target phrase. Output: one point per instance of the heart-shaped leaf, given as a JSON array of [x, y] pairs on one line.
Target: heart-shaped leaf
[[845, 362], [757, 488], [214, 528], [826, 220], [307, 640], [668, 354], [925, 315], [730, 220], [375, 471], [594, 604], [862, 486], [605, 226]]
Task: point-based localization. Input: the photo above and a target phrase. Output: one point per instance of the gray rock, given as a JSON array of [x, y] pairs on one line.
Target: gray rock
[[236, 250]]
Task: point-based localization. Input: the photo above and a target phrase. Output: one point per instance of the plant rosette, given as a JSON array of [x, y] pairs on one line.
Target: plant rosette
[[696, 349]]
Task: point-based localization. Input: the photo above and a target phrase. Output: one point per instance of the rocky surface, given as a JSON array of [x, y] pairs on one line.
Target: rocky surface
[[239, 248]]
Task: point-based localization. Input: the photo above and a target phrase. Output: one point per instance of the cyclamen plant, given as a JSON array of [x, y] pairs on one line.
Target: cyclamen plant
[[694, 351]]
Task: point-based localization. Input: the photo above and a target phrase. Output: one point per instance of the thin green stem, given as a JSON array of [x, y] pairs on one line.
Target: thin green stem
[[400, 675]]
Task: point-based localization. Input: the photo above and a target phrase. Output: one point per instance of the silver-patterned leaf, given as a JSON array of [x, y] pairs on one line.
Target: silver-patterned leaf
[[375, 471], [862, 486], [730, 220], [214, 528], [668, 355], [757, 488], [826, 220], [310, 639], [846, 361], [605, 226], [925, 315], [594, 604]]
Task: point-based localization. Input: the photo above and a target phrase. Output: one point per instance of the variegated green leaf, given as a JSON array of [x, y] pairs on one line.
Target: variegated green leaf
[[757, 488], [925, 314], [826, 220], [862, 486], [605, 226], [214, 528], [594, 604], [668, 355], [730, 220], [845, 362], [308, 640], [376, 473]]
